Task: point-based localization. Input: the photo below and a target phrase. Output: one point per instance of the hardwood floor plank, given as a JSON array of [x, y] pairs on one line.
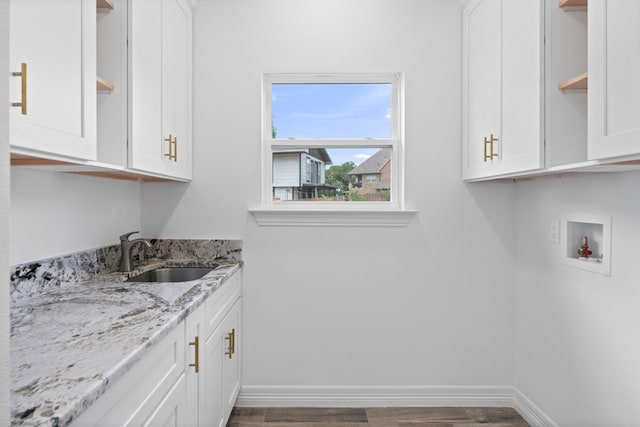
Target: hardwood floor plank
[[493, 415], [426, 424], [298, 424], [316, 415], [376, 417], [490, 424], [239, 414], [411, 424], [413, 415]]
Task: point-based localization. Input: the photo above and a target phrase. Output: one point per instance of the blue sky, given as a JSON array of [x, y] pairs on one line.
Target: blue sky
[[333, 111]]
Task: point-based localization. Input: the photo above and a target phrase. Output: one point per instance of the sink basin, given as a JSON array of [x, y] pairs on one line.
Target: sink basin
[[171, 274]]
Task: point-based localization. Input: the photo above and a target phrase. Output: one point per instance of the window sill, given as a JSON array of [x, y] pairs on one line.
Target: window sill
[[333, 218]]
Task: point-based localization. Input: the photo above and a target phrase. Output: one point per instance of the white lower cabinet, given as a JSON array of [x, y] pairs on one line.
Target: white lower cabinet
[[171, 412], [153, 390], [213, 390], [211, 409], [190, 378], [230, 338]]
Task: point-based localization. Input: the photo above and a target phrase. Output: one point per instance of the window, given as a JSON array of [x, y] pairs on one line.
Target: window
[[326, 135]]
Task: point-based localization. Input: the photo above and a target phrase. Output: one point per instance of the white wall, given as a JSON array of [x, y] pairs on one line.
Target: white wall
[[430, 304], [55, 214], [4, 213], [577, 346]]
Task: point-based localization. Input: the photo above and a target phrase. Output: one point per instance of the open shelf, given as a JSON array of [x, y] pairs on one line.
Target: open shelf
[[573, 3], [578, 82], [102, 84], [104, 4], [90, 168]]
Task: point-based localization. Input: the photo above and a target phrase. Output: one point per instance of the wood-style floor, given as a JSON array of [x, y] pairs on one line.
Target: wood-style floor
[[379, 417]]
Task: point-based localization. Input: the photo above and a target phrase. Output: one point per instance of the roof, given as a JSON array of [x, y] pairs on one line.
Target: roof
[[318, 153], [373, 164], [321, 154]]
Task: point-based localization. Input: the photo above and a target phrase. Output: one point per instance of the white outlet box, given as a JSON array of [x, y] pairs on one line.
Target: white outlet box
[[598, 231]]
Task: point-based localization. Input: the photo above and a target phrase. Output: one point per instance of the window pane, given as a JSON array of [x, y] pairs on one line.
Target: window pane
[[332, 174], [331, 110]]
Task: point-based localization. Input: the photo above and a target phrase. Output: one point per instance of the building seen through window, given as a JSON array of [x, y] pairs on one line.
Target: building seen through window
[[332, 138]]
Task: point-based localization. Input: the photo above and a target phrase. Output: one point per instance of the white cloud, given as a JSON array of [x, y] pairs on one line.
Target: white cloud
[[362, 156]]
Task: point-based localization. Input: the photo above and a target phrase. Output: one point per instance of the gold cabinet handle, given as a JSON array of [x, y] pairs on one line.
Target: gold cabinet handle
[[231, 337], [173, 148], [196, 344], [23, 74], [489, 142], [170, 153]]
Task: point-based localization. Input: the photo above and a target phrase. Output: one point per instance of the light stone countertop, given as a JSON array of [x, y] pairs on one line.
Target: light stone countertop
[[69, 345]]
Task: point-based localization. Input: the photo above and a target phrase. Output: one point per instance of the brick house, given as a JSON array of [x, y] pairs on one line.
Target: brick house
[[373, 176]]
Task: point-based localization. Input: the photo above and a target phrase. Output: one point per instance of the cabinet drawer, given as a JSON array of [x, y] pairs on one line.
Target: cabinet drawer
[[217, 306], [136, 395]]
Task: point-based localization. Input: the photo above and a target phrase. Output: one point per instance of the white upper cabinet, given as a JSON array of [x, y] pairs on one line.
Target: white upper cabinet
[[160, 87], [53, 64], [614, 67], [502, 87]]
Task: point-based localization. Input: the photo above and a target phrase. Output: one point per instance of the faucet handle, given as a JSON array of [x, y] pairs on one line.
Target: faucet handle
[[125, 237]]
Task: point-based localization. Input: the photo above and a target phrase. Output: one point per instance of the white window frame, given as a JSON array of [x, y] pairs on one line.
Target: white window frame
[[361, 213]]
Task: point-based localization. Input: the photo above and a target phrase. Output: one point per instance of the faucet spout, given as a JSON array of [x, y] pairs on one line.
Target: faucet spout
[[126, 261]]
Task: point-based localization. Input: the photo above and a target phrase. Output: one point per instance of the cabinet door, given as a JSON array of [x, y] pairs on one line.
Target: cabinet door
[[160, 87], [212, 413], [222, 364], [57, 42], [614, 67], [176, 89], [153, 389], [171, 412], [482, 85], [195, 351], [231, 375], [502, 87]]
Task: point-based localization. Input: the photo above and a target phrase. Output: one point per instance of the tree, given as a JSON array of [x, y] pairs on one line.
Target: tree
[[353, 195], [338, 175], [274, 131]]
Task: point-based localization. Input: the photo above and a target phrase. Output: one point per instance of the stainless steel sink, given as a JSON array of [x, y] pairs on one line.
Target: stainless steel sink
[[172, 274]]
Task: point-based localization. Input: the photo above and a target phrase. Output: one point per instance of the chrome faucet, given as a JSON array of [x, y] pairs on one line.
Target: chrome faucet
[[125, 250]]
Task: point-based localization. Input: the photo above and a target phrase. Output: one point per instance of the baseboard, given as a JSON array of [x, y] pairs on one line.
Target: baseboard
[[358, 397], [530, 412], [322, 396]]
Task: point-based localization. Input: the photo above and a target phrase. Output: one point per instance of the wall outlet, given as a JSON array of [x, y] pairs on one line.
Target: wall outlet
[[555, 231]]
